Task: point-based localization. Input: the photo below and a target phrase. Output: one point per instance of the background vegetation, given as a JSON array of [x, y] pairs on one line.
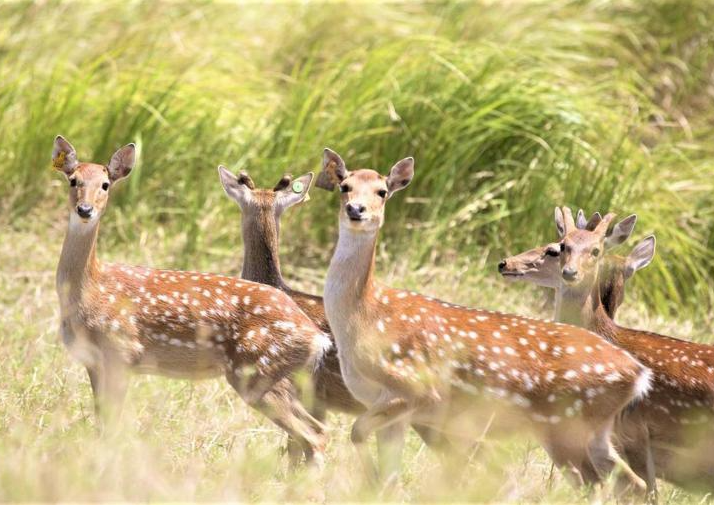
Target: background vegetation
[[510, 108]]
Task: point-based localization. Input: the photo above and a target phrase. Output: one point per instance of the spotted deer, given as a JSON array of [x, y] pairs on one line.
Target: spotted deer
[[261, 211], [676, 419], [413, 358], [117, 319]]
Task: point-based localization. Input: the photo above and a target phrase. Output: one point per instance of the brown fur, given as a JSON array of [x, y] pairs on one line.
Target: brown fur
[[678, 414], [412, 357], [118, 318]]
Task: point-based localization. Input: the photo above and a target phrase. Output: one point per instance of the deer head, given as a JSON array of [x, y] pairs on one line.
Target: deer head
[[89, 183], [583, 249], [540, 266], [286, 193], [364, 192]]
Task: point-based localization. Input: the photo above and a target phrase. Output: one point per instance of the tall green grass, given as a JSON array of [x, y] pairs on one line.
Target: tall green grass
[[509, 109]]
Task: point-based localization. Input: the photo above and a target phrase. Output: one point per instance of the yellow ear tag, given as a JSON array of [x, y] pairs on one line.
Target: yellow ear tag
[[298, 187], [58, 162]]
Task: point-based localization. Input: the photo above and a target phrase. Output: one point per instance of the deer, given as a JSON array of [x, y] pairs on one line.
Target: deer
[[119, 319], [541, 265], [669, 433], [414, 358], [261, 212]]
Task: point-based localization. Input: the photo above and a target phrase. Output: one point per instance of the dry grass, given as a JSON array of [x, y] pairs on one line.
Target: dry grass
[[198, 441], [510, 109]]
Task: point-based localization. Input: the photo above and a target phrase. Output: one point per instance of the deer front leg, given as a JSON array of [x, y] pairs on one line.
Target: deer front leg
[[390, 444], [379, 416], [109, 380]]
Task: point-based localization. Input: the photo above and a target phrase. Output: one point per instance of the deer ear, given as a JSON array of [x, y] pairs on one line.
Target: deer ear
[[593, 221], [333, 172], [238, 188], [580, 221], [400, 175], [64, 157], [559, 222], [284, 182], [621, 231], [122, 162], [294, 192], [640, 257]]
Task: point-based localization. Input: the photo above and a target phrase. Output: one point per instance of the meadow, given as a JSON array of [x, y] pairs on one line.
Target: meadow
[[509, 108]]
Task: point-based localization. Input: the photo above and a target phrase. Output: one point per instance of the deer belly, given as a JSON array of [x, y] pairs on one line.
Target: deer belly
[[179, 362]]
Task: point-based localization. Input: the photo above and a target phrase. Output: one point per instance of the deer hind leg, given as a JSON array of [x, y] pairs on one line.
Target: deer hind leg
[[295, 449], [276, 399], [380, 416], [606, 459], [568, 448], [638, 451]]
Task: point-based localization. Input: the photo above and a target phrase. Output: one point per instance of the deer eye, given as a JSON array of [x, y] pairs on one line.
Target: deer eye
[[552, 252], [345, 188], [596, 252], [105, 186], [73, 182], [382, 193], [562, 247]]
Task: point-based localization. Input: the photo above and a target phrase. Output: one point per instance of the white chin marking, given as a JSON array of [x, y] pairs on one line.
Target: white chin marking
[[79, 224]]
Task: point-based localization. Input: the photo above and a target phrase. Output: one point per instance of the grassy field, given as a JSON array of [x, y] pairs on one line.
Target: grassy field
[[509, 108]]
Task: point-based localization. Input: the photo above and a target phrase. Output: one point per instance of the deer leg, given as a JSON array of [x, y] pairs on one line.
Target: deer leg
[[390, 444], [651, 473], [295, 449], [379, 416], [278, 403], [568, 451], [605, 459], [314, 451], [434, 439], [109, 381]]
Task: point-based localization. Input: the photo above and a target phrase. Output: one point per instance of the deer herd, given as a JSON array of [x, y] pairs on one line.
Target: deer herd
[[599, 398]]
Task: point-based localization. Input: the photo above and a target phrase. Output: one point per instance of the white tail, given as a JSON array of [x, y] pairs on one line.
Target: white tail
[[119, 318], [414, 358]]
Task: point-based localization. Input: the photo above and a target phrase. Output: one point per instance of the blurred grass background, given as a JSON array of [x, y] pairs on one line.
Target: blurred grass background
[[509, 107]]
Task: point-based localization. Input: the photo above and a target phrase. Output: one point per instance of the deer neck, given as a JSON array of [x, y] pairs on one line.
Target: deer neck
[[583, 307], [78, 263], [349, 285], [261, 259]]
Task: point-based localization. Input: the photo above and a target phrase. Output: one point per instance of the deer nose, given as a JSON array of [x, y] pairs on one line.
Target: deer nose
[[355, 210], [84, 210], [569, 273], [502, 266]]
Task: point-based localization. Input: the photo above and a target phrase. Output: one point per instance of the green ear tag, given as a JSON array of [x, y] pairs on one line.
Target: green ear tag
[[298, 187]]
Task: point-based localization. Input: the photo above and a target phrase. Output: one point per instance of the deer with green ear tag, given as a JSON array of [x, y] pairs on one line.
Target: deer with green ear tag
[[117, 319]]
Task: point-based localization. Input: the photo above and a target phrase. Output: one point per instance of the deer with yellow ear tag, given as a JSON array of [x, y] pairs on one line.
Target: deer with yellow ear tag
[[117, 318]]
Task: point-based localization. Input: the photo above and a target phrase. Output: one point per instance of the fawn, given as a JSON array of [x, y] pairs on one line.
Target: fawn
[[413, 358], [261, 211], [669, 433], [118, 318]]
